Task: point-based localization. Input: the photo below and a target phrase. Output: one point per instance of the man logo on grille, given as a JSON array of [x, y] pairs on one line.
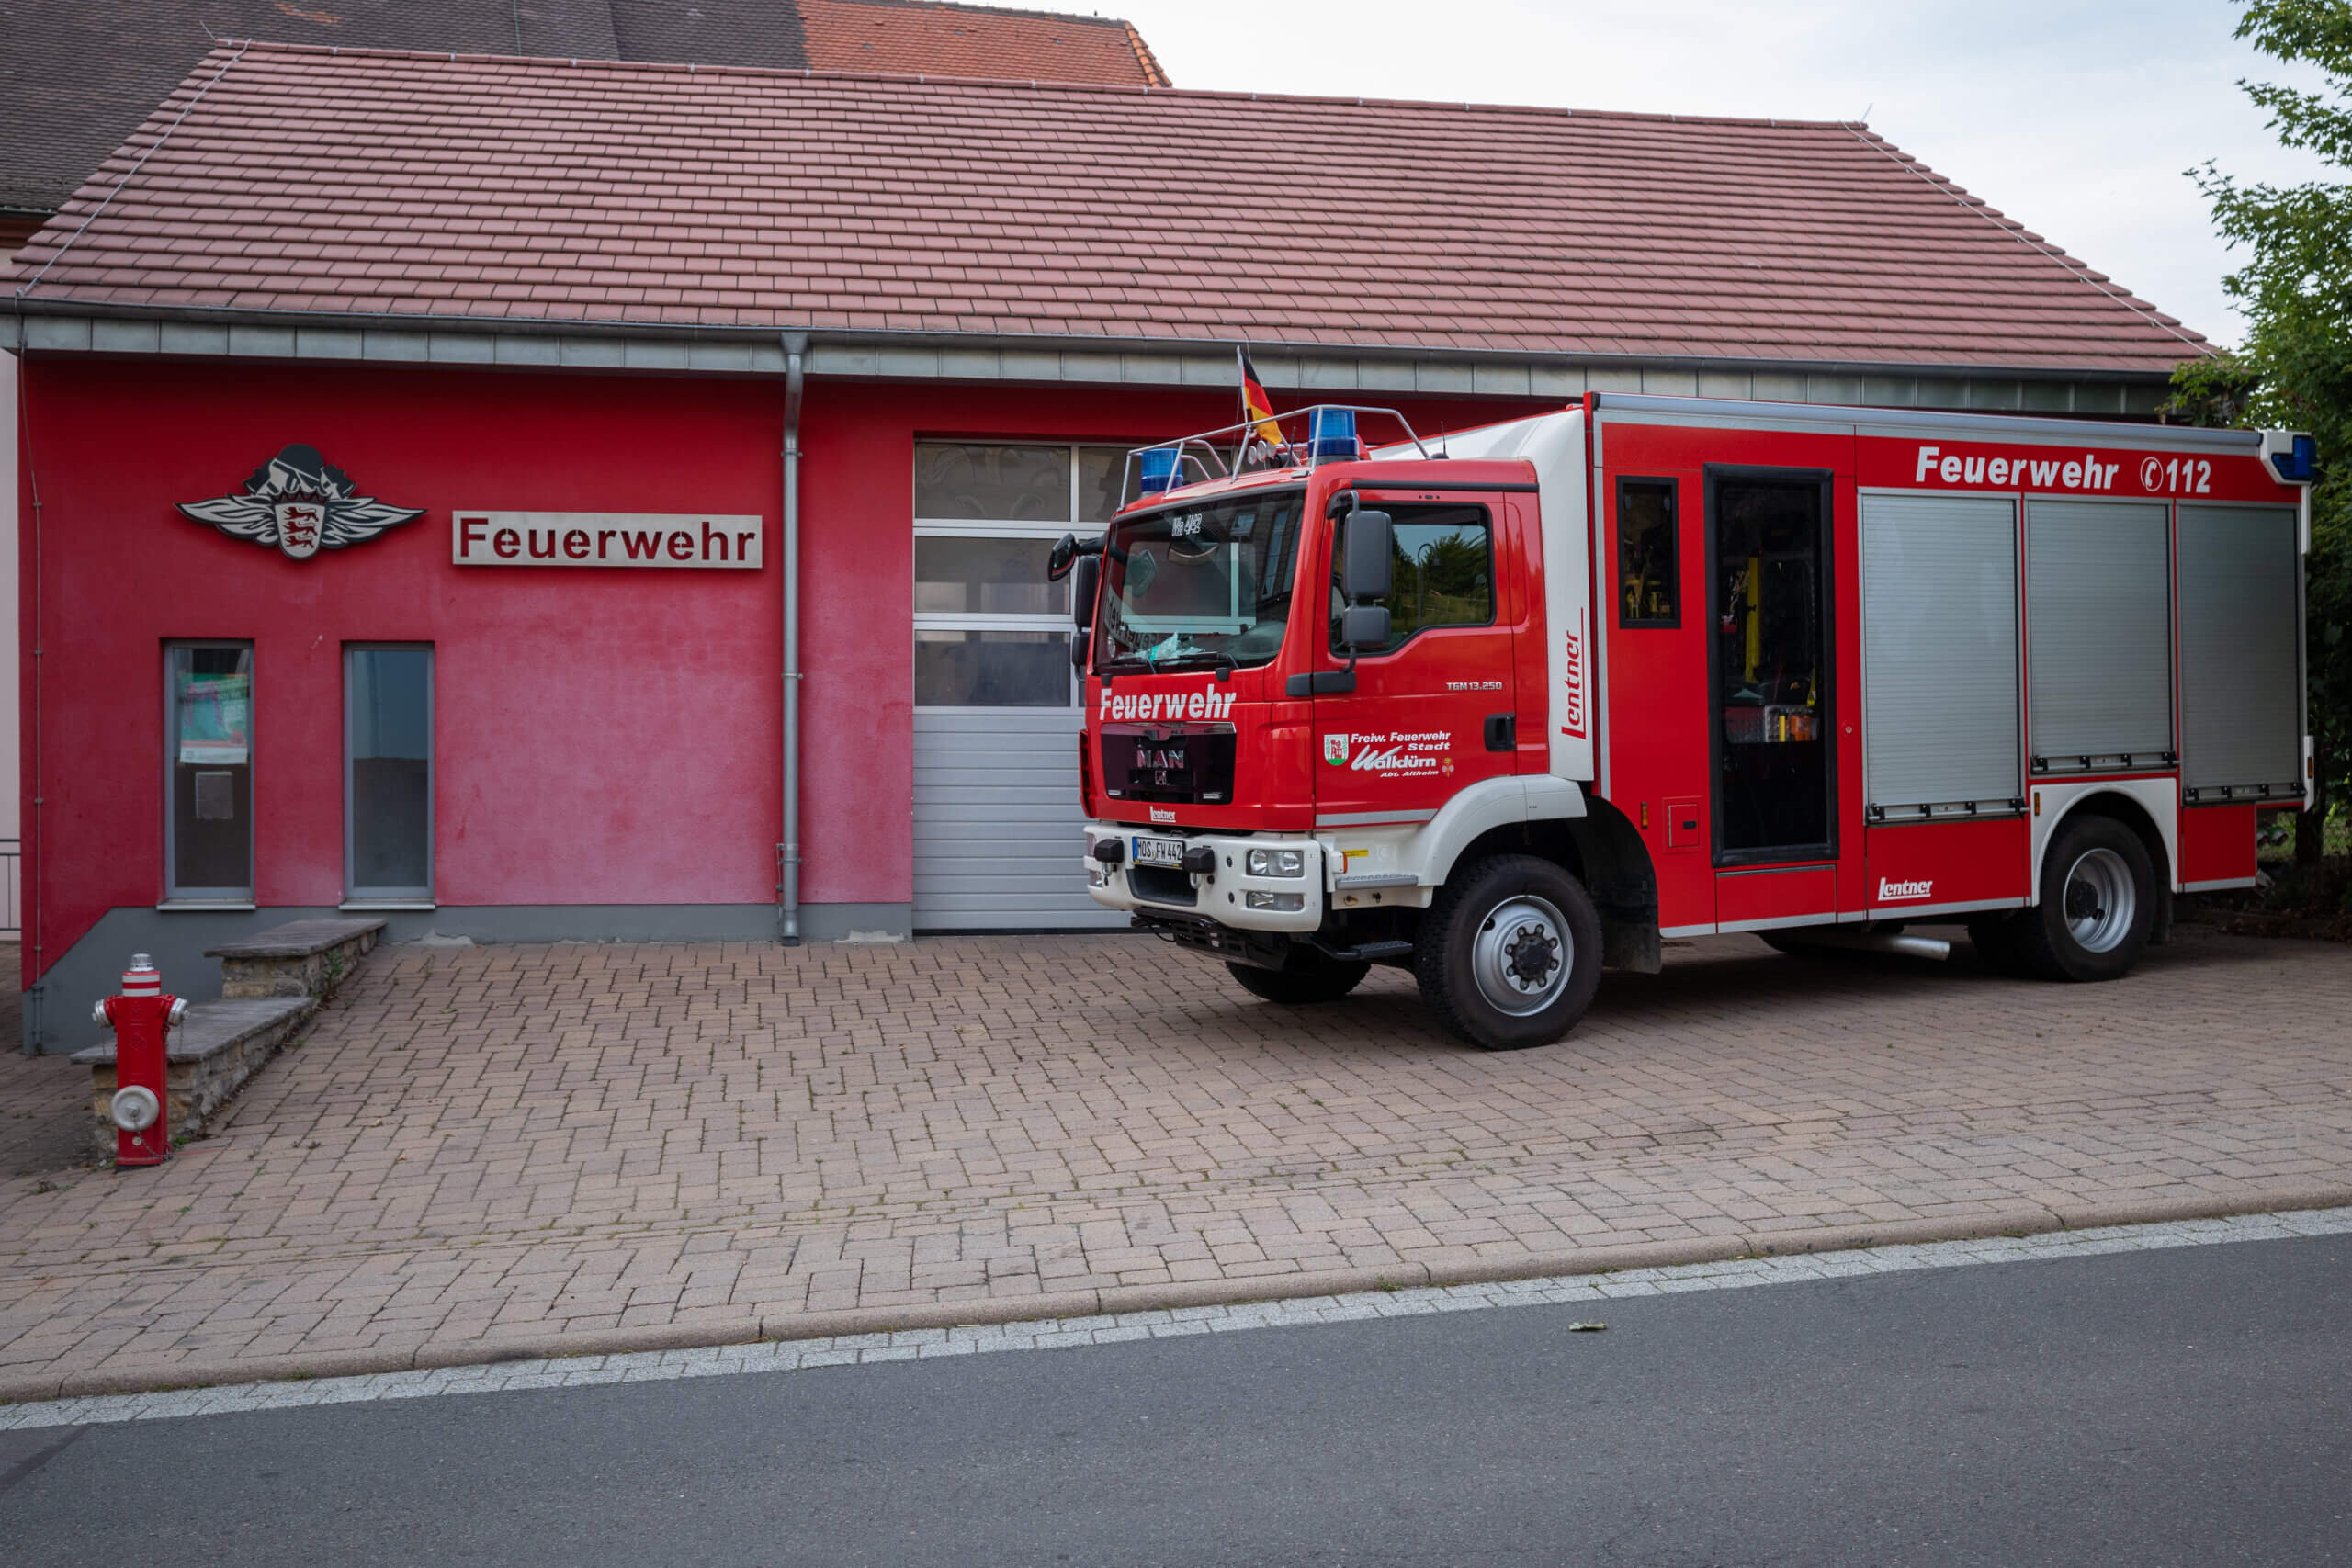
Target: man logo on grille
[[300, 503]]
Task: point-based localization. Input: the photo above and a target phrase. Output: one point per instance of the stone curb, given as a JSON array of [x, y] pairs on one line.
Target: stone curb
[[2024, 1220]]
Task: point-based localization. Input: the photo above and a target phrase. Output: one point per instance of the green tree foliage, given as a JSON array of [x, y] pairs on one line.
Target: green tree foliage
[[2295, 369]]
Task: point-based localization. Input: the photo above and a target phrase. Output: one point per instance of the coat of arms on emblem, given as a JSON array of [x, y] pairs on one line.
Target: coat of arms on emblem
[[300, 503], [1335, 749]]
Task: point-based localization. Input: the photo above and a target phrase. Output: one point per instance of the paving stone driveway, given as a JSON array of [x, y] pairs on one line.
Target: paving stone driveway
[[533, 1147]]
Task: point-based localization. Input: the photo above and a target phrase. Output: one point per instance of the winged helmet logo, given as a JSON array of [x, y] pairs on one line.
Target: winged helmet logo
[[300, 503]]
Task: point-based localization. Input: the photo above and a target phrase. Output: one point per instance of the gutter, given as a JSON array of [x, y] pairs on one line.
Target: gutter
[[1275, 351], [787, 854]]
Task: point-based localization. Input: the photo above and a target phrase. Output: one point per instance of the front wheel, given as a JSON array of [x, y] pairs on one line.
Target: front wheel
[[1508, 954], [2099, 904]]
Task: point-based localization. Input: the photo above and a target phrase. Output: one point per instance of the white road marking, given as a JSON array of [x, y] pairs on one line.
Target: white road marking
[[1070, 1333]]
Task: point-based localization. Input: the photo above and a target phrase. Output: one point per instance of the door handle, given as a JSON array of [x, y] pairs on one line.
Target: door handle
[[1502, 732]]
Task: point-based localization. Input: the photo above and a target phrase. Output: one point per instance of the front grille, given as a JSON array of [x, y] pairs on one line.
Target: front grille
[[1162, 886], [1176, 763]]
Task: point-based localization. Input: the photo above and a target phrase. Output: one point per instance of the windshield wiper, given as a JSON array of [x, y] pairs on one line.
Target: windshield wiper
[[1118, 662], [1192, 656], [1142, 662]]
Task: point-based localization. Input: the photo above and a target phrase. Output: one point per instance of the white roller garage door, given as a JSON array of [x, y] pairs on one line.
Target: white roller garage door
[[997, 841]]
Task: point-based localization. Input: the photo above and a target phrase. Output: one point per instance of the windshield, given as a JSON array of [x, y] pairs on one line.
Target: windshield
[[1199, 585]]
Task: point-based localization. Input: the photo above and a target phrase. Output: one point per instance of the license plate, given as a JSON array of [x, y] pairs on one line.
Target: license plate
[[1169, 853]]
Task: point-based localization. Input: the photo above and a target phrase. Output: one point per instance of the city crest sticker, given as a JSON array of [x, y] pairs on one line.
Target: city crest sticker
[[1335, 750], [302, 504]]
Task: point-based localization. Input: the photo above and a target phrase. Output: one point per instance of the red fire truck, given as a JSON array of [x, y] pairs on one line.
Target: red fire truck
[[1512, 705]]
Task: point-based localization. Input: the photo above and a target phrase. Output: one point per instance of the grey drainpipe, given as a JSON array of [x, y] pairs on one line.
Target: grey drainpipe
[[788, 852]]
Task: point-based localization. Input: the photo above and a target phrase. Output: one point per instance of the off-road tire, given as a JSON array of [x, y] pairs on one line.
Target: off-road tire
[[1307, 977], [1444, 952], [2047, 945]]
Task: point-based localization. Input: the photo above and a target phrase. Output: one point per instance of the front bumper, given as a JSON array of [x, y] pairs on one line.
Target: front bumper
[[1222, 894]]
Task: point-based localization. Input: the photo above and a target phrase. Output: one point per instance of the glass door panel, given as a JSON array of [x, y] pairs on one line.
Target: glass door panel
[[1771, 669], [209, 698], [387, 801]]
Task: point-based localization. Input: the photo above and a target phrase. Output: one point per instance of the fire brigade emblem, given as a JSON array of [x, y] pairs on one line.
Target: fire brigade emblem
[[1335, 749], [300, 503]]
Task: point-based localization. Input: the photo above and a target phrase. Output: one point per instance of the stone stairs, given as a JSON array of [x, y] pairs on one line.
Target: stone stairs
[[270, 985]]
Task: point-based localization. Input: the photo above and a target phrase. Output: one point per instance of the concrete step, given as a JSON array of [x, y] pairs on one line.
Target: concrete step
[[301, 958], [206, 1060]]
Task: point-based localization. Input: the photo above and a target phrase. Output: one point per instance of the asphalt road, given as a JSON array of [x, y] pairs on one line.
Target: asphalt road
[[2188, 1406]]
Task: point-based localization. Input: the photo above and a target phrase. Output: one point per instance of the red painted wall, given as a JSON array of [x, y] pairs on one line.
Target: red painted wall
[[603, 737]]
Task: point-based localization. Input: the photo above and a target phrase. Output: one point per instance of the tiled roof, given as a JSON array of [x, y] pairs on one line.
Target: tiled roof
[[410, 186], [79, 78]]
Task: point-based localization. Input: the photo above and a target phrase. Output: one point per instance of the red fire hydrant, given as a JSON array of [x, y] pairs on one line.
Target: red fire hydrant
[[140, 1017]]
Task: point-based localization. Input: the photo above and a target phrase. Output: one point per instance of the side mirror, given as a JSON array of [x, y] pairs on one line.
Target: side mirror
[[1084, 583], [1364, 570], [1064, 552], [1364, 626]]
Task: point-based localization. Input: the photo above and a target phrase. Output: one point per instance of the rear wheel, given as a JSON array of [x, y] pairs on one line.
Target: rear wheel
[[1508, 954], [1306, 977], [2099, 904]]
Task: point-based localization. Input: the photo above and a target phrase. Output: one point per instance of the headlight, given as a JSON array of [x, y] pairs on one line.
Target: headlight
[[1278, 863], [1281, 903]]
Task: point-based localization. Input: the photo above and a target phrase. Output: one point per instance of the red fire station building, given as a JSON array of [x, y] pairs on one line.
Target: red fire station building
[[543, 500]]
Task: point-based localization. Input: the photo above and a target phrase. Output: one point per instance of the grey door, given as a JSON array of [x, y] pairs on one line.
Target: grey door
[[2098, 615], [1939, 654], [998, 844], [2241, 645]]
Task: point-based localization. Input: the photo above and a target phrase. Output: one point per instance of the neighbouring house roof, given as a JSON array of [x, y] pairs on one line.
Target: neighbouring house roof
[[75, 80], [914, 37], [410, 187]]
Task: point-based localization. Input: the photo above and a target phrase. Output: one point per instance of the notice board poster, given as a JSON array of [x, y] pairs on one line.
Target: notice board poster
[[216, 719]]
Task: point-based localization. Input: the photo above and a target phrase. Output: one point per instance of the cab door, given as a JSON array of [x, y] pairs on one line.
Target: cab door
[[1432, 710]]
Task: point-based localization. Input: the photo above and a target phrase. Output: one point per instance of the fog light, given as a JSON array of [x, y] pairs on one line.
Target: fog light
[[1277, 863], [1280, 902]]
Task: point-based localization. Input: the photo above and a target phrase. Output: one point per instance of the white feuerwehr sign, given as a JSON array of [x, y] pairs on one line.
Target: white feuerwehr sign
[[689, 539]]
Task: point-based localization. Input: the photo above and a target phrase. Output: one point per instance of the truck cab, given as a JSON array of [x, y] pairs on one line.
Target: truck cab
[[1309, 688]]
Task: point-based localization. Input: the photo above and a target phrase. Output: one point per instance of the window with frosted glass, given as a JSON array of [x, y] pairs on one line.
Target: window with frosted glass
[[990, 630]]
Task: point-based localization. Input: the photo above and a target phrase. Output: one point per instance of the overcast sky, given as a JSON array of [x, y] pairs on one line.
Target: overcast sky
[[2075, 116]]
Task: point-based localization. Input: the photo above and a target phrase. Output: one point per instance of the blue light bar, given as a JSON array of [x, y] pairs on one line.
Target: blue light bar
[[1158, 467], [2299, 464], [1335, 433]]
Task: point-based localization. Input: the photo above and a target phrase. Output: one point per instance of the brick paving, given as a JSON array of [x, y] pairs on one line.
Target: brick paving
[[533, 1147]]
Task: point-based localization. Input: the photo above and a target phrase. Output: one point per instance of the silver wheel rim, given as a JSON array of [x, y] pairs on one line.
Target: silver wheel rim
[[1521, 956], [2101, 901]]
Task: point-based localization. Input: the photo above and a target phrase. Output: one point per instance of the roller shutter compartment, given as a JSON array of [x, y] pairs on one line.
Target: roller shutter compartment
[[2240, 646], [2098, 614], [998, 844], [1939, 655]]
